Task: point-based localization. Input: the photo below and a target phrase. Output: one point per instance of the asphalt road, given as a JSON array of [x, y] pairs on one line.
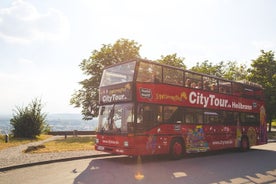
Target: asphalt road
[[255, 166]]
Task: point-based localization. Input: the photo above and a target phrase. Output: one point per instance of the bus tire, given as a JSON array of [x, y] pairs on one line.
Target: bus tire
[[244, 144], [176, 149]]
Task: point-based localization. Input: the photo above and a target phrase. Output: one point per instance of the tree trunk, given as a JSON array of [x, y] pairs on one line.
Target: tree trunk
[[269, 124]]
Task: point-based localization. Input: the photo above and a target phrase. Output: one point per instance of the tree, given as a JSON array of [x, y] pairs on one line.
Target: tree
[[172, 60], [29, 121], [88, 96], [208, 68], [231, 70], [263, 71]]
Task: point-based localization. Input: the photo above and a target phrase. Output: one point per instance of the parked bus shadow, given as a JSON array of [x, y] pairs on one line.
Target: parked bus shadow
[[216, 167]]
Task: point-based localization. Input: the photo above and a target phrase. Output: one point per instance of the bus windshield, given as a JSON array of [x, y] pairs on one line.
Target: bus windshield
[[118, 74], [116, 118]]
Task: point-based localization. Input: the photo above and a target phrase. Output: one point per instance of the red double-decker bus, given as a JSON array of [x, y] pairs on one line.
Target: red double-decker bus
[[148, 108]]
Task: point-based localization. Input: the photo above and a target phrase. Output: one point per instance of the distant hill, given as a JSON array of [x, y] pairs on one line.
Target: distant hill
[[64, 116]]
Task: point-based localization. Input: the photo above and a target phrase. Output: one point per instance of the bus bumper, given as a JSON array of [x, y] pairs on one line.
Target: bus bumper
[[116, 150]]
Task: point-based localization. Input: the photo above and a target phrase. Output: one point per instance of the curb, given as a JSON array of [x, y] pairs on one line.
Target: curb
[[51, 161], [271, 140]]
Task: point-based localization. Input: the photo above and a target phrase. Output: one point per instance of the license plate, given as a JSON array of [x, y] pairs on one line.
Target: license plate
[[100, 148]]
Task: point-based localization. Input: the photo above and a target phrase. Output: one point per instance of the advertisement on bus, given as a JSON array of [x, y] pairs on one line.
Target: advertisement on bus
[[116, 93], [160, 93]]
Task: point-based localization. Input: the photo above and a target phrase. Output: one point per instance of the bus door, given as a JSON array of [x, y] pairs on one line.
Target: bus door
[[149, 117]]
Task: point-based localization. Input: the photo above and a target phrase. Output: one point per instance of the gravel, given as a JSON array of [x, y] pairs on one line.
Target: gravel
[[15, 156]]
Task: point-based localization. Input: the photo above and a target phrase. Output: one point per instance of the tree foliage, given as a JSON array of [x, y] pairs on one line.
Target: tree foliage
[[172, 60], [87, 96], [207, 67], [29, 122], [234, 71], [229, 70], [263, 71]]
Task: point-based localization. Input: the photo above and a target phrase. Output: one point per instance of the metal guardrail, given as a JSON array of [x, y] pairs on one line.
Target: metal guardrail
[[74, 133]]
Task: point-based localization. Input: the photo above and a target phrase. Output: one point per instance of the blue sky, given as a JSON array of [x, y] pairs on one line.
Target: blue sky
[[43, 42]]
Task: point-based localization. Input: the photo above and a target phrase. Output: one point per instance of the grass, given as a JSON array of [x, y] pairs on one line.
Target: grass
[[69, 144], [273, 124], [18, 141]]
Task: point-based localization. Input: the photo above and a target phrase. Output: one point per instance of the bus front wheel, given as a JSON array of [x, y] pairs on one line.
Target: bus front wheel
[[244, 144], [176, 149]]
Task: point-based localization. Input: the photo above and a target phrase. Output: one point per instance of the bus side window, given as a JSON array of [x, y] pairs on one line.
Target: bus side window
[[193, 116], [210, 84], [189, 118], [224, 87], [237, 89], [211, 117], [173, 114], [172, 76], [227, 118], [249, 119], [148, 72], [149, 114], [199, 116], [193, 80]]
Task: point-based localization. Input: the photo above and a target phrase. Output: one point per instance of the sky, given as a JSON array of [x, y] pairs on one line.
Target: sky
[[42, 43]]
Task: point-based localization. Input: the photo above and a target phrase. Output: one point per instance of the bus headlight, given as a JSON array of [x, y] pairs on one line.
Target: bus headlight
[[125, 143]]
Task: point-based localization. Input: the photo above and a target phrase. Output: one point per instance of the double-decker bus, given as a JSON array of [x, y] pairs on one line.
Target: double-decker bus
[[148, 108]]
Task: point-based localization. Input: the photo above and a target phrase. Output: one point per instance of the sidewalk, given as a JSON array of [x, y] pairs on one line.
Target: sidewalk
[[14, 157]]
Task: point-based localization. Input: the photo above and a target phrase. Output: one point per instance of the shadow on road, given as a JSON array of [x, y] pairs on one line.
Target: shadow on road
[[254, 166]]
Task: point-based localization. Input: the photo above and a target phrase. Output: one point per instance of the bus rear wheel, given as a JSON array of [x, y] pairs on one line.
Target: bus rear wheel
[[176, 149], [244, 144]]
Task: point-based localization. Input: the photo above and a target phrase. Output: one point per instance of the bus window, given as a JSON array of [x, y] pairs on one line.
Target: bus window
[[193, 116], [237, 89], [115, 118], [149, 115], [193, 80], [173, 114], [248, 92], [118, 74], [249, 119], [189, 116], [224, 87], [258, 94], [227, 118], [210, 84], [172, 76], [199, 116], [211, 117], [148, 72]]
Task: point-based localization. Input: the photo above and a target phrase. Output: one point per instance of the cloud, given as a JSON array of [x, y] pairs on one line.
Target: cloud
[[23, 23]]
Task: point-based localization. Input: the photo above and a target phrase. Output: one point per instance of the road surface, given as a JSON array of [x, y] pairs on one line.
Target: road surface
[[255, 166]]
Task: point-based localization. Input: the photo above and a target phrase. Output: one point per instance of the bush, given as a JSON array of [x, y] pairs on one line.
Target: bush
[[28, 122]]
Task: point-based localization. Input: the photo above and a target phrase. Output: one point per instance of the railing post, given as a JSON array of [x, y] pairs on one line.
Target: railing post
[[75, 133], [6, 138]]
